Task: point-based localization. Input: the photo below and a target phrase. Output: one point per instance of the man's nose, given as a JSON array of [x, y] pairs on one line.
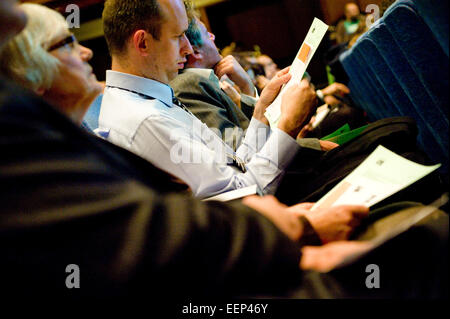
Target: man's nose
[[212, 36], [85, 53], [186, 48]]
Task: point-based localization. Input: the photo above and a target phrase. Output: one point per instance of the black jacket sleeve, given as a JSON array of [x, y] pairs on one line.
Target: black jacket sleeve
[[69, 198]]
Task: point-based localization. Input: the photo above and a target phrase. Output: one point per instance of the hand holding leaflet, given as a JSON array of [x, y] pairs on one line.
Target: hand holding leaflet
[[395, 230], [382, 174], [299, 66]]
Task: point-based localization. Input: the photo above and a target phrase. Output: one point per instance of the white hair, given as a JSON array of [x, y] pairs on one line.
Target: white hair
[[25, 58]]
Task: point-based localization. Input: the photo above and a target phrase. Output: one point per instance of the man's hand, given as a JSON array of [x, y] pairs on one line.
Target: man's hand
[[331, 100], [278, 213], [230, 67], [232, 93], [336, 89], [269, 94], [327, 145], [297, 107], [333, 223], [326, 258]]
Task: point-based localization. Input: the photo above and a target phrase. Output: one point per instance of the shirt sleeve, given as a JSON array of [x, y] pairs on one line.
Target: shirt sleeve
[[203, 166], [255, 137]]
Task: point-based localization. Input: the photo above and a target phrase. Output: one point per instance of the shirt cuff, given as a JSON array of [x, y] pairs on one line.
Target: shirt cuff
[[249, 100], [312, 143], [283, 144], [253, 130]]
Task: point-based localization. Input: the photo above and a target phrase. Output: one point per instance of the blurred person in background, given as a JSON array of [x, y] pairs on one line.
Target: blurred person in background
[[352, 26]]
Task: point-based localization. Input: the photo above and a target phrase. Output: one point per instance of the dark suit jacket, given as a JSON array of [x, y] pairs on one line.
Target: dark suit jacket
[[68, 197], [204, 98]]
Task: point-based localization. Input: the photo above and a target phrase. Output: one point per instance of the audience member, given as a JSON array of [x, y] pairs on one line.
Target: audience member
[[47, 59], [352, 26], [270, 67], [248, 61], [200, 89]]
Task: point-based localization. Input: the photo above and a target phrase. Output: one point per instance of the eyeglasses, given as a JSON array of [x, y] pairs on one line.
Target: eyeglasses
[[67, 42]]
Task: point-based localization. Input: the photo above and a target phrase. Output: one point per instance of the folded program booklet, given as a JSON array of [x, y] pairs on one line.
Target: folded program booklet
[[298, 68], [381, 175]]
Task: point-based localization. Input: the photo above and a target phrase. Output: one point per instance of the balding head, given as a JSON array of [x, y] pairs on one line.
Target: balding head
[[205, 53], [351, 10]]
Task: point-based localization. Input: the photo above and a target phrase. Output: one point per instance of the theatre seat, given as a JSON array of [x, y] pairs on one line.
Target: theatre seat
[[435, 14], [400, 67]]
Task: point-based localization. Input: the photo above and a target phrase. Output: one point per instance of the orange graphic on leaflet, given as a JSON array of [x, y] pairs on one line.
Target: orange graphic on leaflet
[[304, 53]]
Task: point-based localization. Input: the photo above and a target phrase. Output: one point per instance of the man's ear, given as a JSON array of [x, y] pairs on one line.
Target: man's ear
[[197, 54], [140, 41]]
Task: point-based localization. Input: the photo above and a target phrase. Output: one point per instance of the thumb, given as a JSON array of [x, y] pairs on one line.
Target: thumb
[[306, 206], [343, 89]]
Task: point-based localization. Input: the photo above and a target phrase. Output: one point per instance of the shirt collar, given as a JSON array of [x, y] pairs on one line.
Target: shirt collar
[[148, 87]]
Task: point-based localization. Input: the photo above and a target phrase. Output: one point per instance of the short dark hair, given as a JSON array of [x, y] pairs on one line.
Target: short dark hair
[[121, 18]]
